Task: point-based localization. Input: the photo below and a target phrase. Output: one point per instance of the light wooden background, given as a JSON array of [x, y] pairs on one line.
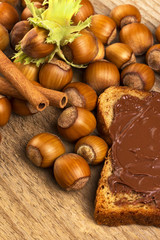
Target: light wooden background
[[32, 206]]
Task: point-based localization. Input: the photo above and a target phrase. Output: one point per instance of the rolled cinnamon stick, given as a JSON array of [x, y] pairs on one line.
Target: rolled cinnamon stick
[[23, 85], [56, 98]]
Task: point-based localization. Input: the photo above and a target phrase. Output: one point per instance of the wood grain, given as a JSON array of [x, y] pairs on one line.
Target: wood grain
[[32, 206]]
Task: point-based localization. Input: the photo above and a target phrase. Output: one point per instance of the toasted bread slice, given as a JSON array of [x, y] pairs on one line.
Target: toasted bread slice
[[107, 212], [129, 210], [106, 103]]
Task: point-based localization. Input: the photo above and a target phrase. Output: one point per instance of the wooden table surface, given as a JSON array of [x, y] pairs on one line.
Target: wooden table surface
[[32, 205]]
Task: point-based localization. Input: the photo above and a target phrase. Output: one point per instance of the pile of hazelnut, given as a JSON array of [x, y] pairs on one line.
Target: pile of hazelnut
[[106, 65]]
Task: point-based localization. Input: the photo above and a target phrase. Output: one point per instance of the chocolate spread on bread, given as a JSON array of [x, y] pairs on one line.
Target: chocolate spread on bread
[[135, 132]]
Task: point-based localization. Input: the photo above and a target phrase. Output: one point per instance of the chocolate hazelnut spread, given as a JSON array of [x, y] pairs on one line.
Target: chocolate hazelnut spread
[[135, 132]]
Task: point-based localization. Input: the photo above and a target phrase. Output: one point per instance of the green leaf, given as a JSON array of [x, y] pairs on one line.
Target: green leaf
[[57, 19], [61, 11]]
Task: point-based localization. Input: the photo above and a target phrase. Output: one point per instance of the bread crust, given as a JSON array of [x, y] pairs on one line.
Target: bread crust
[[107, 211]]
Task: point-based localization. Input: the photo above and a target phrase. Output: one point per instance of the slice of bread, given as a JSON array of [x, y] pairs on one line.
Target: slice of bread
[[107, 211]]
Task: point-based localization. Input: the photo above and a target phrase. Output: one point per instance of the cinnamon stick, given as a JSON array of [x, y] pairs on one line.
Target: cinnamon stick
[[56, 98], [23, 85]]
